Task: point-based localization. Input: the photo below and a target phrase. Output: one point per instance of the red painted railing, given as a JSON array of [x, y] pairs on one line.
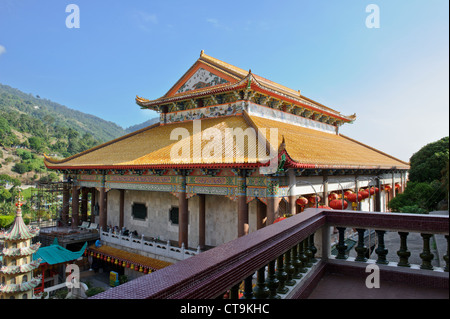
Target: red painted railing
[[211, 273]]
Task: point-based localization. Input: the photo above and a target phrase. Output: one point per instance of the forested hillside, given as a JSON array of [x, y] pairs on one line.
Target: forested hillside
[[31, 126]]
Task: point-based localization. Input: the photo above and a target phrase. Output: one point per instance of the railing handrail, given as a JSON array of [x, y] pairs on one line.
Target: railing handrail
[[208, 274], [419, 223]]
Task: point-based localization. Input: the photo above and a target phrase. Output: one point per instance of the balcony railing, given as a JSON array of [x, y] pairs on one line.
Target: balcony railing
[[291, 256]]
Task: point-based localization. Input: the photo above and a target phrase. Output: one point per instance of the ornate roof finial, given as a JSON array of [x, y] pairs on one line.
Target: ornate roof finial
[[19, 204], [202, 52]]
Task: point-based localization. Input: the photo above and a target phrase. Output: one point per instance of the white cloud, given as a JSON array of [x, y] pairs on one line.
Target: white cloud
[[2, 49], [216, 24], [145, 20]]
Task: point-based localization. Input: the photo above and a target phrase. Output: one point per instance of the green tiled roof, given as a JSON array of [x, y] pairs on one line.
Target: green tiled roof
[[56, 254]]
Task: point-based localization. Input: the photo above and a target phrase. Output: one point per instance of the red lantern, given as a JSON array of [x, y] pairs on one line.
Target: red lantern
[[397, 186], [324, 207], [332, 196], [314, 199], [347, 193], [373, 190], [302, 201], [337, 204], [387, 188], [364, 193], [352, 197]]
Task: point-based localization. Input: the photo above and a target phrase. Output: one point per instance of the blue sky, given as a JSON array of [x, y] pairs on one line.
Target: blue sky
[[395, 78]]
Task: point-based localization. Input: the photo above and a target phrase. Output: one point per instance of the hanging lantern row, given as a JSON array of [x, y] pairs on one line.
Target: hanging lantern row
[[335, 199], [122, 263], [338, 203]]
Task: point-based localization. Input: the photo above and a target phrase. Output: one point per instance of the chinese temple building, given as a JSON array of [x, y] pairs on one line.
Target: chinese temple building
[[16, 272], [232, 152]]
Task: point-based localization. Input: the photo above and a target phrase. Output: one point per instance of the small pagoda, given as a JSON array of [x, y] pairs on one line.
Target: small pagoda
[[16, 271]]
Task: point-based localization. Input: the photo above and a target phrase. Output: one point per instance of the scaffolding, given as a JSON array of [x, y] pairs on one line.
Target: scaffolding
[[47, 202], [52, 203]]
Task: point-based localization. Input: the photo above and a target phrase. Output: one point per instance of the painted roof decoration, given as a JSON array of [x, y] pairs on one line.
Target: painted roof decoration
[[25, 286], [201, 79], [224, 97]]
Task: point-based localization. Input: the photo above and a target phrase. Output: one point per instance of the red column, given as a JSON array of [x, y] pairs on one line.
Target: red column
[[201, 221], [183, 218], [102, 209], [121, 207], [261, 213], [84, 203], [242, 206], [75, 206], [65, 207]]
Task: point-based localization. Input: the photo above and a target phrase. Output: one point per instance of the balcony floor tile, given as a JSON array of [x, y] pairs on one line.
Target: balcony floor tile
[[336, 286]]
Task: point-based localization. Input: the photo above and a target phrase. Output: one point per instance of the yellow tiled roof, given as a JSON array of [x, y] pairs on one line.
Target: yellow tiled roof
[[310, 147], [152, 147]]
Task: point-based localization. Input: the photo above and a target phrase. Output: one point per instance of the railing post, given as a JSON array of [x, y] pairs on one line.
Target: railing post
[[303, 258], [341, 246], [426, 254], [261, 291], [381, 250], [446, 256], [312, 248], [281, 276], [272, 281], [296, 262], [308, 253], [403, 253], [361, 249], [289, 269], [234, 291], [248, 287]]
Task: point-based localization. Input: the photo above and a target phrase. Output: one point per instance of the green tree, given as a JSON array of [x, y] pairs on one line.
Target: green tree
[[36, 144], [428, 179], [427, 164]]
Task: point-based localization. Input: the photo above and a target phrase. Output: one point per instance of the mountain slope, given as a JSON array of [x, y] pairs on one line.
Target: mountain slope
[[52, 113]]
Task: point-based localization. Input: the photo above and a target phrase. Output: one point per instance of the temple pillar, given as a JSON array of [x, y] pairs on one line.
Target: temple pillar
[[102, 208], [393, 185], [84, 203], [325, 189], [121, 208], [242, 205], [75, 206], [292, 198], [183, 218], [273, 201], [202, 221], [261, 214], [378, 196], [65, 205], [93, 194]]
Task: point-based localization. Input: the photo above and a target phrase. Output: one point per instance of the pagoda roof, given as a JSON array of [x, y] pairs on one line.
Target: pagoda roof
[[26, 286], [232, 78], [19, 231], [150, 148]]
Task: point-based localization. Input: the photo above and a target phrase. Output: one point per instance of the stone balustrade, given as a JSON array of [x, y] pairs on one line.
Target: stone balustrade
[[148, 246]]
